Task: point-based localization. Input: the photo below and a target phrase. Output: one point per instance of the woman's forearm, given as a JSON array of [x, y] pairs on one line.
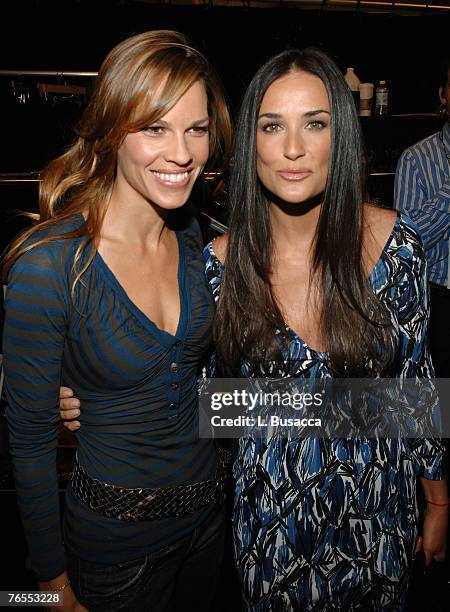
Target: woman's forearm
[[435, 490]]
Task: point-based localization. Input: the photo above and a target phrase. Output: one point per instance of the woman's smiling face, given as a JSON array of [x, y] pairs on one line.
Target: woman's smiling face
[[162, 162]]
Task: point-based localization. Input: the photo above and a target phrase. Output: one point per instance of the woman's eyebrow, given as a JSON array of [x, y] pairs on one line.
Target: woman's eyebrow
[[310, 113], [194, 123], [270, 115], [199, 121]]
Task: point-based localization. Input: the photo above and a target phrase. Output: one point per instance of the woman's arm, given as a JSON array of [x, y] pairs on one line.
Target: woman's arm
[[427, 453], [36, 315], [434, 539]]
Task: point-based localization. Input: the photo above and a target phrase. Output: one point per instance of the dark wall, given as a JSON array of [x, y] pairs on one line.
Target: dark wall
[[70, 34], [76, 35]]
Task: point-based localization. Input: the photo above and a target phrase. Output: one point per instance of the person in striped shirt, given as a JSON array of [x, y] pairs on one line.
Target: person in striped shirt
[[422, 190], [107, 294]]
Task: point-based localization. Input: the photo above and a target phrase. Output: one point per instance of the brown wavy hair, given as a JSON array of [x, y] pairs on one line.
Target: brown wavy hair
[[127, 97]]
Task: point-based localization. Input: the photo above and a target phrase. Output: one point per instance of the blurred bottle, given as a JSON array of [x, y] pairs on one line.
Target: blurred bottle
[[381, 99], [365, 99], [353, 82]]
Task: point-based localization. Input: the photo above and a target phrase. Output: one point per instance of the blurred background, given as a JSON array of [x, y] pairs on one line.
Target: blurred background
[[400, 42]]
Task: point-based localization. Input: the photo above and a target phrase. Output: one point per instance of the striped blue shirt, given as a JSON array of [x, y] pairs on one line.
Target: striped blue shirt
[[137, 385], [422, 190]]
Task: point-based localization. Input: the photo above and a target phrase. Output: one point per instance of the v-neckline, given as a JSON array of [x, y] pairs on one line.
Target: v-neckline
[[163, 336], [371, 278]]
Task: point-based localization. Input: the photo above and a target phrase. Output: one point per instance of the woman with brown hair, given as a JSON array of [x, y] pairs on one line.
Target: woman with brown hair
[[107, 294]]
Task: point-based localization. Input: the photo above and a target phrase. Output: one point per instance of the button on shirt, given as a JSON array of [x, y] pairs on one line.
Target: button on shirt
[[138, 390], [422, 191]]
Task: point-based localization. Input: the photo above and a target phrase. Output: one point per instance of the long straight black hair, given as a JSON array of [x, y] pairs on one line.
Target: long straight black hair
[[353, 322]]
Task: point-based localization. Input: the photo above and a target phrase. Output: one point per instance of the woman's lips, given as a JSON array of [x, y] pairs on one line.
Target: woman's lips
[[173, 180], [294, 175]]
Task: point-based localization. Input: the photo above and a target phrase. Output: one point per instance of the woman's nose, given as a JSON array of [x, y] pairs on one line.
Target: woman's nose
[[178, 151], [294, 145]]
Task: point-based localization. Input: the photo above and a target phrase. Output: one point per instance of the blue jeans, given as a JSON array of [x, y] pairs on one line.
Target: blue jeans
[[180, 576]]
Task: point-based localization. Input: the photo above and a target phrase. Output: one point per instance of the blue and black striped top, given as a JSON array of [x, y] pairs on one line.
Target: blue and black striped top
[[422, 191], [138, 389]]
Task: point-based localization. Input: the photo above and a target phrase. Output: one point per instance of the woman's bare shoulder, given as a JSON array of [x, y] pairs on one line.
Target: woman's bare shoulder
[[219, 246], [378, 225], [378, 222]]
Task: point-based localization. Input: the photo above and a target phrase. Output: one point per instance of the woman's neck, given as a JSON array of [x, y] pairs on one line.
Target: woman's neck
[[293, 227], [137, 223]]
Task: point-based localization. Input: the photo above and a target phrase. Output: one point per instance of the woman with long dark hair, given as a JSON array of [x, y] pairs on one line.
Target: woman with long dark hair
[[313, 282]]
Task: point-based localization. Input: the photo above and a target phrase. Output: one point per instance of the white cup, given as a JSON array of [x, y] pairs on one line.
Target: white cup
[[365, 99]]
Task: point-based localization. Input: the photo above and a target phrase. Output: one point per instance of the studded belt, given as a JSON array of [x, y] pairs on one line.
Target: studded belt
[[148, 504]]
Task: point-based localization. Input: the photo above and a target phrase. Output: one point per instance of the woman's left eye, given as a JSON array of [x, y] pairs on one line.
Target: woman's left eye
[[154, 129], [199, 130], [316, 125]]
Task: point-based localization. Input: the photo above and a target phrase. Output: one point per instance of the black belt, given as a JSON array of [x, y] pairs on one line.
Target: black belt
[[148, 504]]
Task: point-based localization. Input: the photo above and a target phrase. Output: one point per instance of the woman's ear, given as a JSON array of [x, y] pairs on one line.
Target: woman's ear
[[442, 96]]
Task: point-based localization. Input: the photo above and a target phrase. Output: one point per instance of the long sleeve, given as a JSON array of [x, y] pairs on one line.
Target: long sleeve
[[430, 210], [36, 314]]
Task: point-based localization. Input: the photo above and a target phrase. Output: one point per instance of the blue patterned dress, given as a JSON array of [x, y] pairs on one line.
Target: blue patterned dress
[[331, 524]]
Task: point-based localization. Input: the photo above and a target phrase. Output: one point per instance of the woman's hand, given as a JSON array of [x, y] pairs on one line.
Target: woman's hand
[[434, 536], [70, 602], [69, 409]]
